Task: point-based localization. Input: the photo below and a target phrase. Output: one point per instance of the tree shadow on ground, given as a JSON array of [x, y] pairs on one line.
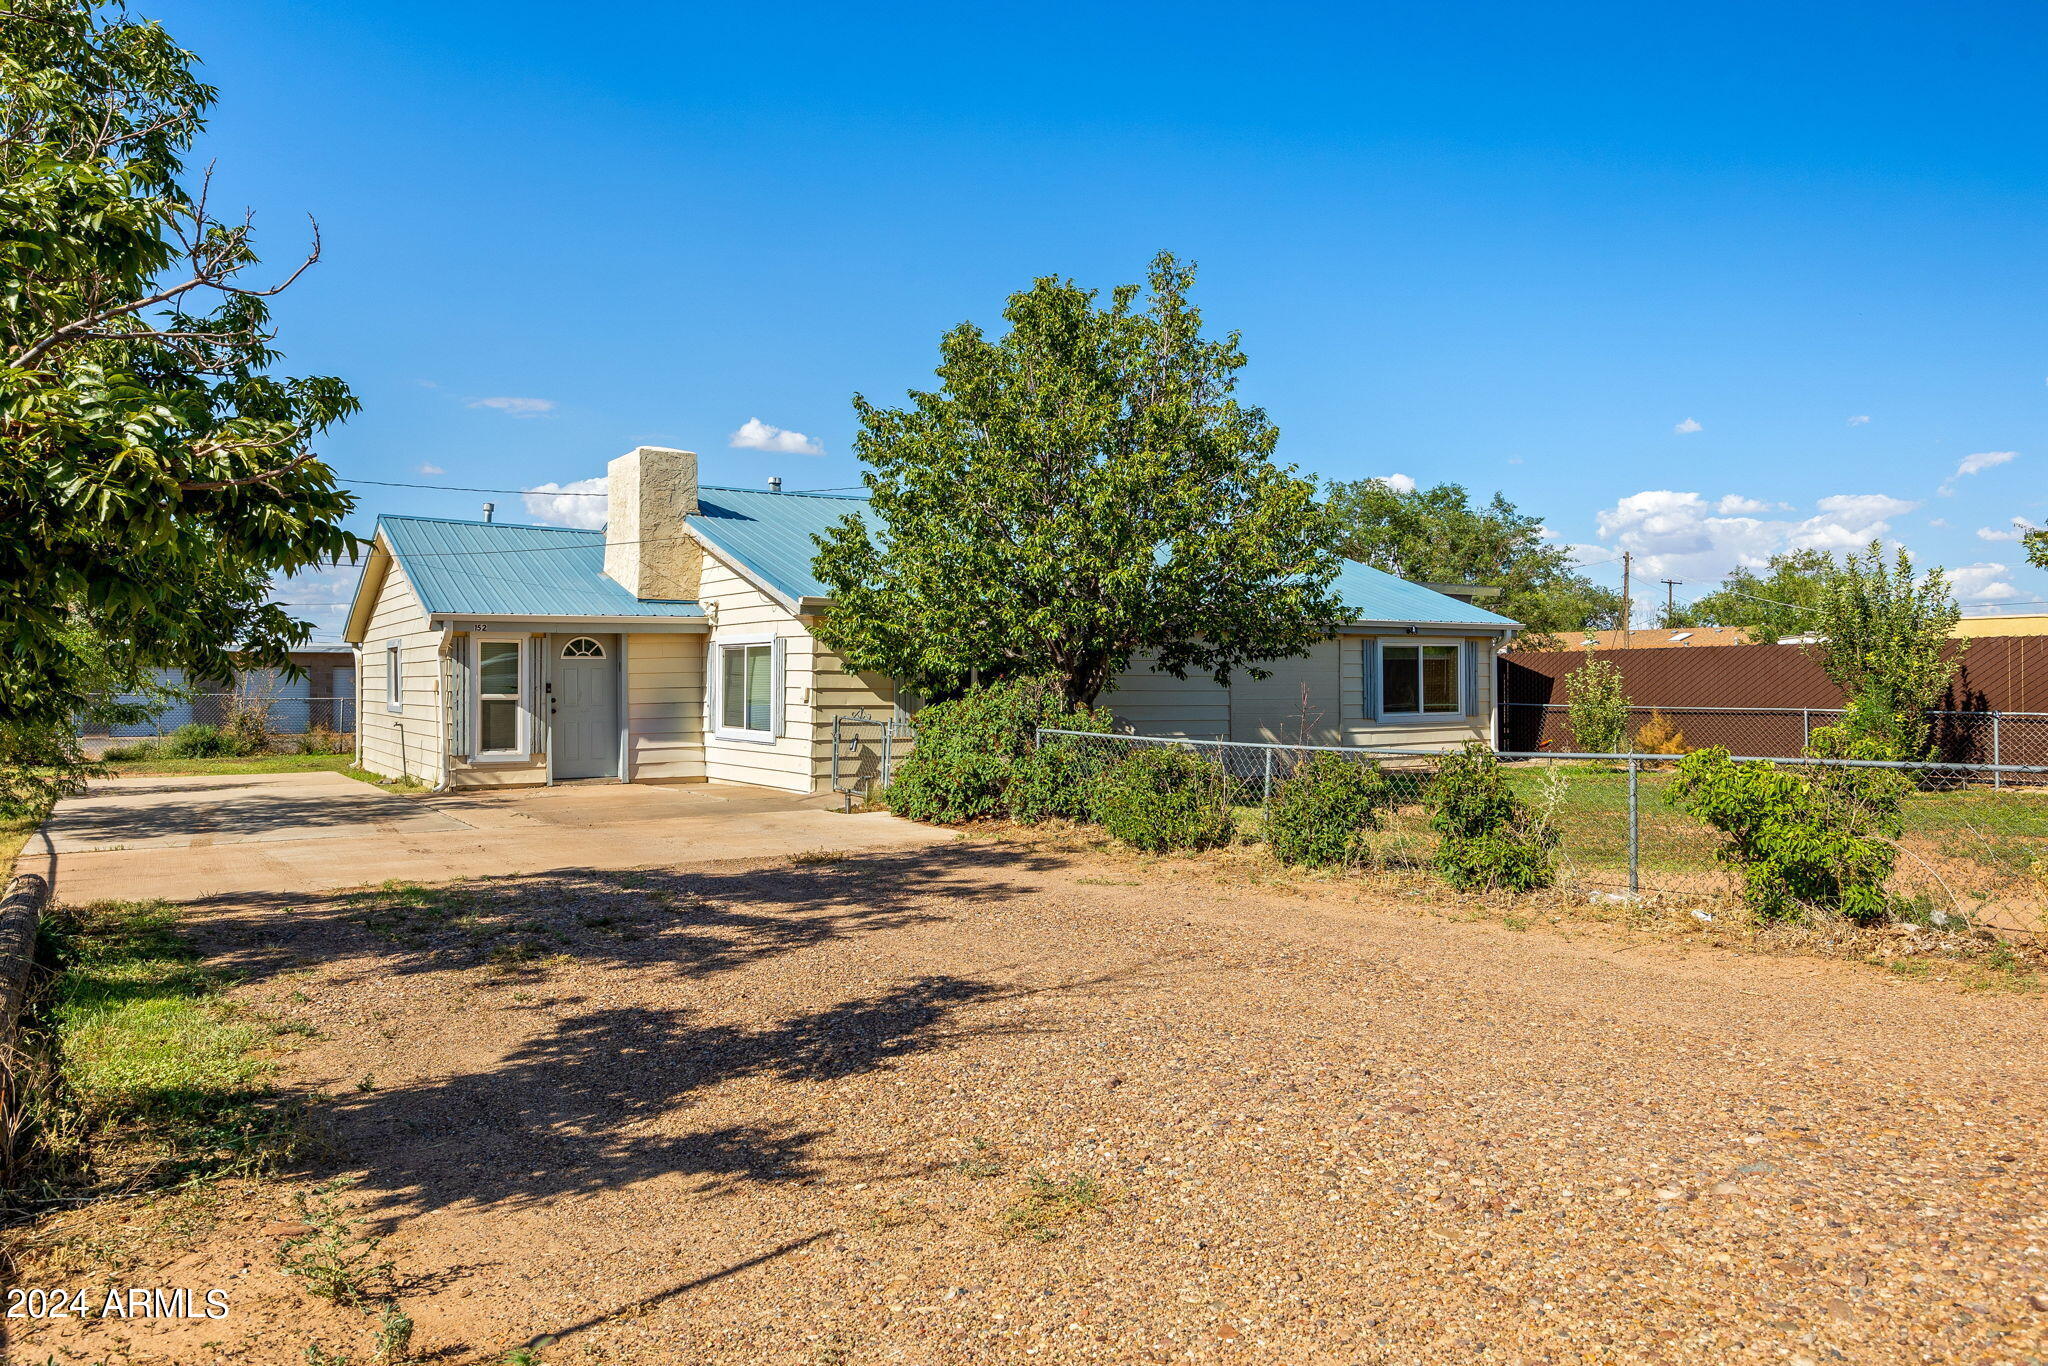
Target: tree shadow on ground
[[592, 1104], [691, 922]]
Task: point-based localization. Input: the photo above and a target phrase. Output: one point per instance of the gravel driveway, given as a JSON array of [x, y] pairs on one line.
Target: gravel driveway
[[986, 1103]]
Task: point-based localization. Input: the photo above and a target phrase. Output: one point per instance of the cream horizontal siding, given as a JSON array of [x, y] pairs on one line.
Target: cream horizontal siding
[[665, 707], [1299, 703], [740, 610], [409, 742], [835, 693], [1450, 732], [1152, 703]]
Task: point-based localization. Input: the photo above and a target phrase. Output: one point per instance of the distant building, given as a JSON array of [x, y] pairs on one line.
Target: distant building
[[2028, 624], [322, 695], [1656, 638]]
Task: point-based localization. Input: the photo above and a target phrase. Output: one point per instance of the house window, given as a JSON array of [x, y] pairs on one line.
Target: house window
[[746, 689], [1419, 680], [500, 698], [394, 677], [583, 647]]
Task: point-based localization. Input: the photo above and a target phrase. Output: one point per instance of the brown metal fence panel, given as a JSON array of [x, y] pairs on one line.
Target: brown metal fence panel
[[1764, 699]]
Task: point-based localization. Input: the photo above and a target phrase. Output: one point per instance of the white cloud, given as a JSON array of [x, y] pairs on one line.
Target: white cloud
[[1735, 504], [516, 407], [1514, 460], [2020, 527], [432, 469], [1399, 483], [1941, 522], [1975, 464], [756, 435], [1681, 535], [1860, 420], [1687, 427], [320, 596], [561, 505], [1980, 585]]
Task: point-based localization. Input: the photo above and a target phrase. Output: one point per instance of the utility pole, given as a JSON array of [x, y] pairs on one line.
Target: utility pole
[[1670, 608], [1628, 606]]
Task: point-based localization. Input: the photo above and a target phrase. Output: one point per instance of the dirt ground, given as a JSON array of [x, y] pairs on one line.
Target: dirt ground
[[995, 1103]]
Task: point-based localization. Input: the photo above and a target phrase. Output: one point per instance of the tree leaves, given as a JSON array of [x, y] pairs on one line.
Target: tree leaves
[[1083, 488], [1436, 535], [154, 476]]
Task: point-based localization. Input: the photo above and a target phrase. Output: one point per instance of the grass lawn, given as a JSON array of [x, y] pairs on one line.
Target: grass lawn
[[14, 834], [2002, 829], [150, 1070], [254, 763]]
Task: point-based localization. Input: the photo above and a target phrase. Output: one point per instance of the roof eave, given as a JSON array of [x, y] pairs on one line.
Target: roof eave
[[457, 620], [1491, 628], [369, 583]]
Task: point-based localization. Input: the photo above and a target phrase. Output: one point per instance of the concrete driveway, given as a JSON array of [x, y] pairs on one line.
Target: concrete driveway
[[191, 838]]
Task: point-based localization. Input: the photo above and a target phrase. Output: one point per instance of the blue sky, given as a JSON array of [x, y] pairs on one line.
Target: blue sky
[[1702, 282]]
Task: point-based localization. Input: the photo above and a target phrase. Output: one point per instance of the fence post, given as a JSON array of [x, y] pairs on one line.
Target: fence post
[[1266, 788], [1805, 728], [1634, 832], [1997, 779]]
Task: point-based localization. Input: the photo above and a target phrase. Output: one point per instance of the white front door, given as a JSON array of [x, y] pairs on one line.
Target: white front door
[[584, 705]]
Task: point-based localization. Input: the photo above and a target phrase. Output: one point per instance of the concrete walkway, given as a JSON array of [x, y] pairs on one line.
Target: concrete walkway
[[193, 838]]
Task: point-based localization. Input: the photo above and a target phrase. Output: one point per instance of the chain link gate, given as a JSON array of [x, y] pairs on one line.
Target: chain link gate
[[864, 750]]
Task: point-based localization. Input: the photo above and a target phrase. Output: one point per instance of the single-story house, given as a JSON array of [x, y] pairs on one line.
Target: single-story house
[[676, 645]]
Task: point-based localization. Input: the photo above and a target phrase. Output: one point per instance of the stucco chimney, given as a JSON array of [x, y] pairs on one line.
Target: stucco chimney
[[648, 492]]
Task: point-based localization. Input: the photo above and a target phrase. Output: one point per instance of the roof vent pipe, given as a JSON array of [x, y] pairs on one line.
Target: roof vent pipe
[[775, 483], [489, 508]]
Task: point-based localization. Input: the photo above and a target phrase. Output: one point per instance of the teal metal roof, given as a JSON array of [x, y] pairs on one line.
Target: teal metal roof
[[505, 569], [1375, 595], [770, 533]]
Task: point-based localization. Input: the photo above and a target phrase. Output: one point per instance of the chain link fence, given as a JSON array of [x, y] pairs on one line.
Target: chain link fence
[[1974, 843], [1956, 737], [283, 715]]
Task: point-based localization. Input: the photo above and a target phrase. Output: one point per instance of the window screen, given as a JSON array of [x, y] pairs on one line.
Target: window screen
[[1418, 680], [497, 691], [746, 688]]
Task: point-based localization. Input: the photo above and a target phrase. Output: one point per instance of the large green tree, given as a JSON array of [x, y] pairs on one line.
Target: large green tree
[[155, 474], [1779, 602], [1437, 535], [1078, 490]]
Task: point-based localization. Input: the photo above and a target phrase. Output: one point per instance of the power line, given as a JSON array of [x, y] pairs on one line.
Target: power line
[[563, 493]]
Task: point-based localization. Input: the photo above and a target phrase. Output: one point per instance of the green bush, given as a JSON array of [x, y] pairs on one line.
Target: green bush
[[141, 749], [967, 750], [1321, 814], [1596, 707], [1817, 839], [1487, 837], [1056, 781], [1164, 798], [196, 741]]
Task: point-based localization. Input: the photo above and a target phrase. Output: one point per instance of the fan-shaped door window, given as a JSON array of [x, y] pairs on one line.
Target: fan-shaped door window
[[583, 647]]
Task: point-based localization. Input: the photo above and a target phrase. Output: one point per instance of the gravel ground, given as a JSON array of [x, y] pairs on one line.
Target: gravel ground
[[993, 1103]]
